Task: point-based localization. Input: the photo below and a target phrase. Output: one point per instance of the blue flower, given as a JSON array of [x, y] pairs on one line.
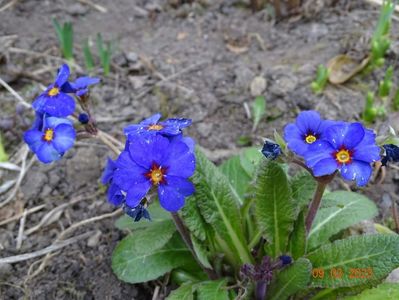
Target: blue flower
[[137, 212], [307, 129], [271, 150], [155, 162], [391, 154], [50, 137], [54, 101], [347, 147], [152, 126], [81, 85]]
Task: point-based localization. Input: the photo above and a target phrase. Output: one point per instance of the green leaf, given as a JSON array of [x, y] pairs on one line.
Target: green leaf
[[88, 56], [303, 186], [377, 252], [291, 280], [258, 110], [157, 213], [3, 153], [183, 292], [339, 210], [201, 252], [140, 258], [193, 219], [219, 207], [212, 290], [274, 207], [297, 241], [250, 158], [237, 176], [386, 291]]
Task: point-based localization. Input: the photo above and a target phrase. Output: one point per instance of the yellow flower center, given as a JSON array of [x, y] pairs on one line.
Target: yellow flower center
[[343, 156], [53, 91], [48, 135], [310, 139], [156, 174], [155, 127]]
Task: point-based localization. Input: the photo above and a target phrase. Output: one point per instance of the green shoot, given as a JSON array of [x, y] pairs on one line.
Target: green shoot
[[3, 154], [320, 82], [258, 110], [89, 61], [396, 100], [65, 38], [385, 86], [370, 111], [380, 41], [105, 53]]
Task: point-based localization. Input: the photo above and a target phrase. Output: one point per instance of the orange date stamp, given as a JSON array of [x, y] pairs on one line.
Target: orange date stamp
[[339, 273]]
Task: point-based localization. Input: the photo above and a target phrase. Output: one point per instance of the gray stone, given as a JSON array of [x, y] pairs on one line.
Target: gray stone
[[5, 271], [132, 57], [244, 76], [204, 129], [283, 84], [94, 239], [393, 277], [77, 9], [258, 86]]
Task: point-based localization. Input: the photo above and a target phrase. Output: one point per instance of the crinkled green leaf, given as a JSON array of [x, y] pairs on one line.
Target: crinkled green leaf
[[379, 252], [219, 207], [303, 186], [149, 253], [193, 219], [274, 207], [339, 210], [212, 290], [385, 291], [157, 213], [291, 280], [237, 176], [201, 252], [297, 241], [250, 158], [258, 110]]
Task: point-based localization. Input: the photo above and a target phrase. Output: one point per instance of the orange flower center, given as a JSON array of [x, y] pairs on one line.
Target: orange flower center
[[343, 156], [53, 91], [48, 135], [310, 139], [155, 127], [156, 174]]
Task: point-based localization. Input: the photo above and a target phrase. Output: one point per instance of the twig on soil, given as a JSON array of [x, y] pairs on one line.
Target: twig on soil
[[14, 93], [21, 230], [69, 230], [98, 7], [156, 293], [58, 210], [8, 5], [105, 139], [24, 168], [28, 212], [47, 250]]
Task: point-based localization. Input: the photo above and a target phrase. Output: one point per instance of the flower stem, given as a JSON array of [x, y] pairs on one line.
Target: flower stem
[[260, 290], [186, 238], [314, 205]]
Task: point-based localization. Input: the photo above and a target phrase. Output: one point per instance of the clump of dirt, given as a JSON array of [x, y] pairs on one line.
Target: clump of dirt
[[194, 60]]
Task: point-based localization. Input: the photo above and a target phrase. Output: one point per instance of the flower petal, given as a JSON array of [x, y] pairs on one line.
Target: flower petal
[[151, 120], [182, 185], [308, 121], [357, 170], [126, 178], [325, 166], [319, 150], [62, 76], [46, 153], [64, 137], [345, 135], [34, 139], [39, 103], [136, 193], [169, 198], [115, 195], [295, 139], [61, 105], [145, 151], [108, 172], [53, 122], [180, 161], [367, 150]]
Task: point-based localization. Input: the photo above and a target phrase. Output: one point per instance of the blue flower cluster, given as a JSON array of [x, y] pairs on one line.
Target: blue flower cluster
[[156, 157], [331, 146], [52, 133]]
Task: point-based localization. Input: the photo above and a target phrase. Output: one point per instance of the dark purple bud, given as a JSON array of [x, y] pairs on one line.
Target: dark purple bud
[[391, 154], [285, 259], [84, 118], [271, 150]]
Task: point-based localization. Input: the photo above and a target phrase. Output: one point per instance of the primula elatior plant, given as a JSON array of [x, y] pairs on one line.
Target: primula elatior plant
[[252, 228]]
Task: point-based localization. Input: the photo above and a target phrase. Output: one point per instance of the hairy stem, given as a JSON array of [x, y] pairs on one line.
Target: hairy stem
[[260, 290], [395, 214], [186, 238], [314, 205]]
